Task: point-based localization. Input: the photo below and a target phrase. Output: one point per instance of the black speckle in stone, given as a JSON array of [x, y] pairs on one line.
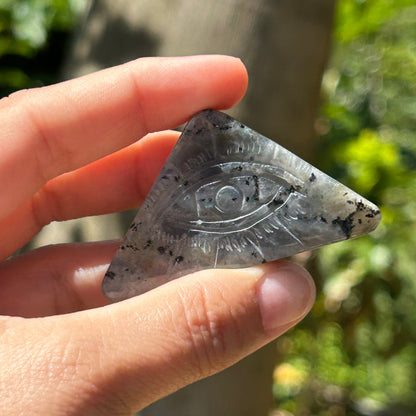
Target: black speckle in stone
[[133, 247], [312, 177], [323, 219], [295, 188], [247, 182], [278, 201], [242, 126], [251, 158], [161, 250], [110, 275], [346, 225], [133, 226], [254, 254], [350, 202], [178, 259], [165, 177], [198, 131], [371, 214], [264, 261], [185, 183], [359, 221], [374, 212], [148, 244], [240, 149], [291, 189], [126, 269], [176, 178], [170, 253], [360, 206], [234, 199], [122, 247], [247, 198]]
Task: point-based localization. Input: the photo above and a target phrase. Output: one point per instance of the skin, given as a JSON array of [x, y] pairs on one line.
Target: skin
[[90, 146]]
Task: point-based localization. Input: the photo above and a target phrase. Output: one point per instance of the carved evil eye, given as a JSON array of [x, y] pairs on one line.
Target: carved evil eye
[[228, 197]]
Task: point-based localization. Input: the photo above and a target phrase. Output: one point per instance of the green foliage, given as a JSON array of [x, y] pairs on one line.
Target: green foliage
[[26, 23], [357, 17], [359, 342], [25, 28]]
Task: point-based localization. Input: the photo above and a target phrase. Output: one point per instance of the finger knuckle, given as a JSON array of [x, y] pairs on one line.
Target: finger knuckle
[[48, 150], [211, 329]]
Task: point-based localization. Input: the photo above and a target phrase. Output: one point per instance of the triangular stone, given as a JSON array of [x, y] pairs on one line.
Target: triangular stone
[[229, 197]]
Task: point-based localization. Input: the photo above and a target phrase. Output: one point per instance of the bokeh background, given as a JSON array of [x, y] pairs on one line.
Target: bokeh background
[[335, 82]]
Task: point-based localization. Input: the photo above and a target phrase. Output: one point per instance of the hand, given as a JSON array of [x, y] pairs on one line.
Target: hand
[[63, 349]]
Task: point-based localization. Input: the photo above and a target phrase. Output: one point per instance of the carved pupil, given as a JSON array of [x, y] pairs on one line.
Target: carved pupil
[[229, 199]]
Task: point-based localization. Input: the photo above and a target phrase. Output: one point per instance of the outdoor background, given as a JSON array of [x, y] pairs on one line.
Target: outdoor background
[[355, 354]]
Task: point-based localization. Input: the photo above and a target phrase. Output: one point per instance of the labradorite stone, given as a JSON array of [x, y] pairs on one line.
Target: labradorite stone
[[229, 197]]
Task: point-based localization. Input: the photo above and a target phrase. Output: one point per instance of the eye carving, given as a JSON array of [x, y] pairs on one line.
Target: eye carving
[[226, 202]]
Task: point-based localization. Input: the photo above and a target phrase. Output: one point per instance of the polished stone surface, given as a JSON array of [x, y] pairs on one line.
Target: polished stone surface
[[229, 197]]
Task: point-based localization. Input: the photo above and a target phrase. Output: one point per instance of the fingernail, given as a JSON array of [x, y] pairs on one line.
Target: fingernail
[[85, 275], [285, 296]]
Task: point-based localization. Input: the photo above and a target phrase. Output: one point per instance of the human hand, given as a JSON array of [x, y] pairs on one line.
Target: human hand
[[63, 349]]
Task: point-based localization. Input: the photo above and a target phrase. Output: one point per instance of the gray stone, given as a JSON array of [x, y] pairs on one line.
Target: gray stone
[[229, 197]]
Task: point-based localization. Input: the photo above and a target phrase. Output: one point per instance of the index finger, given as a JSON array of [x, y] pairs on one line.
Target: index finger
[[48, 131]]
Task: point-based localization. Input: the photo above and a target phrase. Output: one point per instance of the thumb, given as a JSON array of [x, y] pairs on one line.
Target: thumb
[[129, 354]]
